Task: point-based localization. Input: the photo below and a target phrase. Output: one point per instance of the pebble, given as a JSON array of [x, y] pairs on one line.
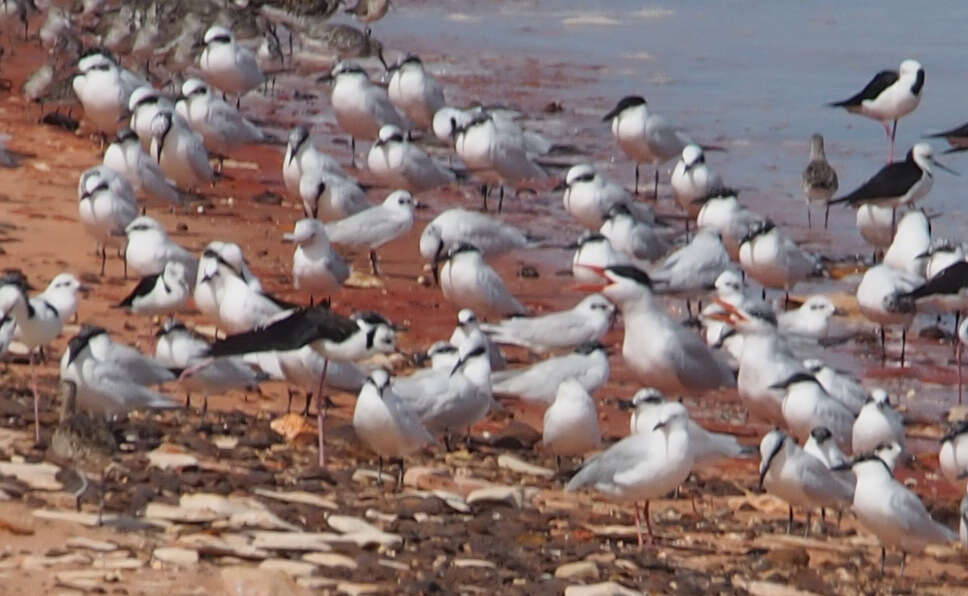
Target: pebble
[[330, 560], [473, 563], [247, 581], [40, 476], [36, 562], [358, 589], [299, 541], [497, 495], [175, 555], [515, 464], [577, 570], [364, 476], [301, 497], [289, 567], [396, 565], [602, 589], [171, 457], [101, 546]]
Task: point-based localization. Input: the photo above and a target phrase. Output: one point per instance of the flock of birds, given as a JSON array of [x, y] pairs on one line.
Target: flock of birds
[[632, 262]]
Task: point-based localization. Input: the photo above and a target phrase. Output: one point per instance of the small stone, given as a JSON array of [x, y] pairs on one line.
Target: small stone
[[299, 541], [497, 495], [17, 525], [453, 500], [177, 513], [248, 581], [528, 272], [345, 524], [577, 570], [171, 457], [175, 555], [603, 558], [473, 563], [124, 563], [301, 497], [317, 584], [387, 518], [225, 442], [40, 476], [330, 560], [602, 589], [290, 568], [395, 565], [364, 476], [101, 546], [35, 562], [294, 428], [358, 589], [515, 464]]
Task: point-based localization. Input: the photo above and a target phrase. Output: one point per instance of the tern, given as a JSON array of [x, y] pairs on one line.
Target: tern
[[316, 267], [806, 405], [880, 298], [537, 384], [328, 196], [360, 106], [953, 454], [227, 64], [376, 226], [414, 91], [302, 157], [878, 423], [693, 180], [570, 426], [469, 282], [159, 293], [588, 321]]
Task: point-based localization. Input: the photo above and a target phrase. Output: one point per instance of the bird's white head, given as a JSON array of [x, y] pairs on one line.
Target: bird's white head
[[218, 34], [143, 225]]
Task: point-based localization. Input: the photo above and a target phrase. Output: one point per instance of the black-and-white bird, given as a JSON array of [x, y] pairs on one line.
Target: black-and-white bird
[[889, 96], [161, 293]]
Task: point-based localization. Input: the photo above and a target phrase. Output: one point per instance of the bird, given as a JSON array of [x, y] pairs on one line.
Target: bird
[[940, 255], [589, 196], [316, 267], [661, 352], [414, 91], [642, 466], [717, 331], [467, 323], [888, 97], [396, 162], [570, 425], [144, 104], [879, 296], [708, 447], [876, 225], [811, 320], [149, 249], [103, 88], [360, 106], [773, 259], [38, 323], [469, 282], [126, 156], [640, 241], [106, 206], [227, 65], [644, 136], [725, 214], [953, 452], [819, 179], [806, 405], [456, 226], [693, 268], [838, 384], [587, 321], [894, 514], [899, 182], [240, 306], [385, 423], [799, 478], [328, 196], [112, 378], [223, 129], [692, 179], [367, 11], [302, 157], [62, 294], [159, 293], [957, 137], [820, 445], [537, 384], [216, 252], [376, 226], [877, 423], [180, 152], [912, 239], [593, 250]]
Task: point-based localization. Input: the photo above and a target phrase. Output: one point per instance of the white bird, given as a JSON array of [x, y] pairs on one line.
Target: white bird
[[694, 267], [395, 162], [642, 466], [227, 64], [799, 478], [126, 156], [570, 425], [594, 251], [819, 179], [384, 421], [911, 241], [692, 180], [953, 454], [414, 91], [302, 157], [839, 385], [328, 196], [876, 225], [180, 152], [241, 307], [879, 297], [38, 323], [221, 125], [889, 96], [360, 106], [811, 320], [316, 267], [588, 321], [160, 293], [643, 136], [62, 294], [204, 294], [106, 206], [806, 405], [537, 383], [661, 352], [467, 323], [149, 248], [822, 446], [640, 241], [589, 196], [729, 288], [890, 511], [451, 401], [112, 378], [773, 259], [729, 217], [497, 150], [460, 226], [708, 447], [305, 367], [103, 87], [144, 104], [876, 424], [376, 226], [469, 282], [942, 254]]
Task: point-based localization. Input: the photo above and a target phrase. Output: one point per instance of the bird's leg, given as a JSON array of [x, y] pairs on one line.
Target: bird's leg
[[763, 293], [79, 493], [903, 561], [806, 528], [648, 521], [379, 471], [500, 201], [558, 463], [205, 404], [638, 524], [790, 521], [903, 344], [447, 444], [484, 197], [688, 308], [655, 187], [352, 152], [695, 507], [826, 215], [883, 347], [376, 270], [636, 191], [321, 415], [786, 300], [400, 474], [883, 558], [104, 258], [33, 387], [188, 400], [890, 156], [289, 402], [809, 221]]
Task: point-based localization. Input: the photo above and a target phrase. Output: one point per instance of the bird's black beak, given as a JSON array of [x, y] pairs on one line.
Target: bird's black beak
[[625, 404], [763, 475], [457, 366], [326, 78]]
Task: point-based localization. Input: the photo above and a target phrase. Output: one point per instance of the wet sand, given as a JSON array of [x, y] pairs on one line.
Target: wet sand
[[42, 236]]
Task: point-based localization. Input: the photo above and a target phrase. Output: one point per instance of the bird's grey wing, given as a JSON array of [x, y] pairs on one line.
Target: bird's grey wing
[[609, 465], [378, 103], [141, 369], [231, 125], [910, 513], [821, 485], [113, 384], [699, 365], [338, 267], [497, 292]]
